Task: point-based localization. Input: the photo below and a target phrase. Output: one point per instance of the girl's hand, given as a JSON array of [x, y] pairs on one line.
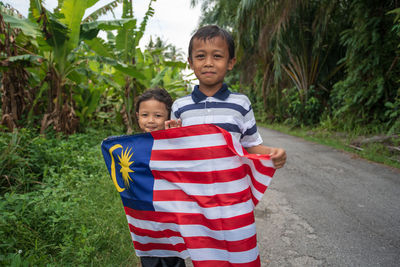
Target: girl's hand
[[173, 124]]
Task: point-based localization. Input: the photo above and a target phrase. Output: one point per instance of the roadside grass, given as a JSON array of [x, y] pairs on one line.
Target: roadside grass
[[58, 204], [376, 152]]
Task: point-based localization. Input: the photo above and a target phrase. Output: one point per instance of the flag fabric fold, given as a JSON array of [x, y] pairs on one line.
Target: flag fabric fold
[[189, 192]]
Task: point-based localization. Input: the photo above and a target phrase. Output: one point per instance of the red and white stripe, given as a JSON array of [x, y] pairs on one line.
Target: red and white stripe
[[205, 190]]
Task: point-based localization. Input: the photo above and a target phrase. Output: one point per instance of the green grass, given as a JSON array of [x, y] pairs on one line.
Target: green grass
[[376, 152], [59, 206], [65, 210]]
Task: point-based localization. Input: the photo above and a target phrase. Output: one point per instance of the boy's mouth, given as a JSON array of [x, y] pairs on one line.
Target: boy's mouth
[[208, 73]]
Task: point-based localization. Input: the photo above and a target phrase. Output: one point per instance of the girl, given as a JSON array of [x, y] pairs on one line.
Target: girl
[[153, 109]]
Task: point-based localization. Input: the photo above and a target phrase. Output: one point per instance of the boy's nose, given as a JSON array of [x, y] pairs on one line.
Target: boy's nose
[[208, 61]]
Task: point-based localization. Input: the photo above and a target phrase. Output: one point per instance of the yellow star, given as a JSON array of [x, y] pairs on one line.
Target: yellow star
[[124, 162]]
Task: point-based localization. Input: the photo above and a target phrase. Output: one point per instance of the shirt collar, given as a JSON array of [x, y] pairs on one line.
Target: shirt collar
[[221, 94]]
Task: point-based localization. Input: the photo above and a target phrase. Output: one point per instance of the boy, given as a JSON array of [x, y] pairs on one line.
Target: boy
[[211, 56]]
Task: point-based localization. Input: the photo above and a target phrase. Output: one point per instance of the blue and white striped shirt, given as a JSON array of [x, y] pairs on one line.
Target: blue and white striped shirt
[[228, 110]]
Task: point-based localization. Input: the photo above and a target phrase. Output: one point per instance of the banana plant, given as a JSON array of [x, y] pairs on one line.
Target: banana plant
[[133, 70], [71, 79], [120, 53], [15, 87], [61, 31], [58, 36]]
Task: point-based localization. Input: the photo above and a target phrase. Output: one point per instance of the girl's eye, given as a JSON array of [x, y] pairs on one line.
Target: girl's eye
[[143, 115]]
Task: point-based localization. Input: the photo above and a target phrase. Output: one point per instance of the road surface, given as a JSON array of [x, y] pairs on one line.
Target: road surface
[[328, 208]]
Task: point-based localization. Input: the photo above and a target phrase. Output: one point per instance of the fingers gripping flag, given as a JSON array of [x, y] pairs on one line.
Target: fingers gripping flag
[[189, 192]]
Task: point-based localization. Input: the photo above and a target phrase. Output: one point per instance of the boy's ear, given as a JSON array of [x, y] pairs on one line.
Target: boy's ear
[[190, 62], [137, 114], [231, 63]]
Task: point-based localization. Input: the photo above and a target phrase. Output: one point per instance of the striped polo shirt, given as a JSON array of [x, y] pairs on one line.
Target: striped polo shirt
[[228, 110]]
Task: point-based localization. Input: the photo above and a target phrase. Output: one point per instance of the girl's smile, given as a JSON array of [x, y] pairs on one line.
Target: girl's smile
[[152, 115]]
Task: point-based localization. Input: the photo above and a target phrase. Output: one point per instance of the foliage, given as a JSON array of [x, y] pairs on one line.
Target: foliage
[[325, 135], [18, 173], [127, 81], [127, 70], [393, 106], [54, 37], [372, 72], [73, 217], [302, 111], [285, 44], [68, 77], [342, 57], [15, 87]]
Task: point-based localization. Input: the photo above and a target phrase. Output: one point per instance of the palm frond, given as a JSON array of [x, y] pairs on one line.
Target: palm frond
[[102, 11], [147, 16]]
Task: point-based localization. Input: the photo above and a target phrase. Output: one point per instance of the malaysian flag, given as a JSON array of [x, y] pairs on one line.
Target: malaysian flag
[[189, 192]]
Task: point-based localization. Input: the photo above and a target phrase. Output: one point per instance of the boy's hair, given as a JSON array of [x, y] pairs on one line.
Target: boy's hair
[[158, 94], [209, 32]]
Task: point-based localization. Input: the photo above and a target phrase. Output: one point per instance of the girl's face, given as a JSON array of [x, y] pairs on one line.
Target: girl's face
[[152, 115]]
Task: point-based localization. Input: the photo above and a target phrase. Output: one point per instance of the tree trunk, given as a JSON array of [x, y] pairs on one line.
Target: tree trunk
[[60, 108], [14, 82]]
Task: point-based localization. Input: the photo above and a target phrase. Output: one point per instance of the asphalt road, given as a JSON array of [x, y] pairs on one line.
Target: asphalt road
[[328, 208]]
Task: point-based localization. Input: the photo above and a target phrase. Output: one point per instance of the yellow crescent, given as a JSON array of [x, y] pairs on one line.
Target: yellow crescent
[[113, 175]]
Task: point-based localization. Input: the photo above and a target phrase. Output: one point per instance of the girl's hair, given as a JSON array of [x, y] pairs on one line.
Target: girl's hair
[[158, 94]]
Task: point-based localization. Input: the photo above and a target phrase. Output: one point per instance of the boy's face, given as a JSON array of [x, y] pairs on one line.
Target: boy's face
[[210, 62]]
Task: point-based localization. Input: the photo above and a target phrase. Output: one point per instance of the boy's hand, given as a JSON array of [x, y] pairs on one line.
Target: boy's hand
[[173, 124], [278, 157]]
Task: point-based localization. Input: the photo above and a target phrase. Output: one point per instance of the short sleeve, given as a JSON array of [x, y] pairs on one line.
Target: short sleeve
[[250, 136], [174, 115]]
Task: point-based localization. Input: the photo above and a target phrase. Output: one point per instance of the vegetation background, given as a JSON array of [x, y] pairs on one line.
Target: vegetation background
[[327, 70]]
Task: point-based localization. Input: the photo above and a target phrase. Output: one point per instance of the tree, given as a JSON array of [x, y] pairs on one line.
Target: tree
[[133, 70], [71, 69], [284, 44], [371, 66], [56, 38]]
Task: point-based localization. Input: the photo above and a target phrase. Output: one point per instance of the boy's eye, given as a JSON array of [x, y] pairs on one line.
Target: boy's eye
[[143, 115], [217, 56], [200, 56]]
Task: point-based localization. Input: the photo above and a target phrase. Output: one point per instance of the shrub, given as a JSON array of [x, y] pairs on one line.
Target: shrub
[[72, 215]]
